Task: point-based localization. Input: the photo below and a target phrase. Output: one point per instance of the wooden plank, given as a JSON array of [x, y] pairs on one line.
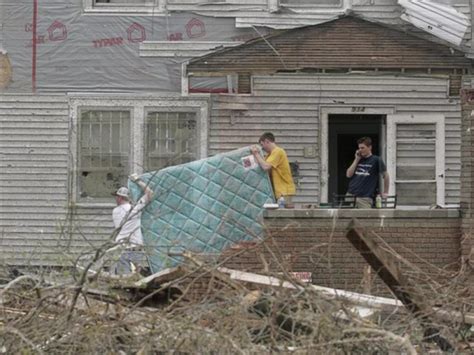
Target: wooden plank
[[329, 293], [161, 276], [362, 300], [386, 266]]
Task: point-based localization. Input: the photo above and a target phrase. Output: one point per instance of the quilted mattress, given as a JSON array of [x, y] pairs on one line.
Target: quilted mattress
[[204, 206]]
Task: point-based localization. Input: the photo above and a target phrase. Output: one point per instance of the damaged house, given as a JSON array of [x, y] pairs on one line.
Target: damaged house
[[93, 91]]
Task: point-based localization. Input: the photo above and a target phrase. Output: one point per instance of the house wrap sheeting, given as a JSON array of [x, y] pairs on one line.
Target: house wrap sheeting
[[203, 206], [78, 51], [82, 48]]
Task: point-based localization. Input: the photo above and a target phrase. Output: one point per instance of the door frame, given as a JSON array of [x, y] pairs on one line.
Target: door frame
[[439, 121], [325, 112]]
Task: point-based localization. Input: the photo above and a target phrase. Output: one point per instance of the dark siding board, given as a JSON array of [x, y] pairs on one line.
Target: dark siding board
[[366, 45]]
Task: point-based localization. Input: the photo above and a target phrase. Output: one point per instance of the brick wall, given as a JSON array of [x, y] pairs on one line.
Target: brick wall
[[314, 241], [467, 175]]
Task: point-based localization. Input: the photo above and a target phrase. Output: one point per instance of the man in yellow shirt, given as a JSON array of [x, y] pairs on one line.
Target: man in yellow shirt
[[276, 162]]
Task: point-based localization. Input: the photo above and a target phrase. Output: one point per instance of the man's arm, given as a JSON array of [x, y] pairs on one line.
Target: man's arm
[[351, 170], [117, 216], [263, 164], [386, 184], [146, 189]]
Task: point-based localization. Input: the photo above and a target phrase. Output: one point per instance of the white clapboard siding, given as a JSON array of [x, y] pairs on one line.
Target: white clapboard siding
[[36, 225], [288, 105], [257, 14], [33, 175], [268, 13]]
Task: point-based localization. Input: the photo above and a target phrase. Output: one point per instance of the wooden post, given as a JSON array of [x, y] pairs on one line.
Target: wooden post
[[386, 266]]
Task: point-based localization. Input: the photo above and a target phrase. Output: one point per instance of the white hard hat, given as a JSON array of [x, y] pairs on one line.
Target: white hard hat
[[123, 191]]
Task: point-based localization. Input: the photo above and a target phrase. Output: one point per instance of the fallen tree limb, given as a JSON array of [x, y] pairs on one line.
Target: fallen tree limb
[[5, 288]]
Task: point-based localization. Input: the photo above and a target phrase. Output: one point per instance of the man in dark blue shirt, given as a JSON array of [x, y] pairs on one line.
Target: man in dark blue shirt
[[364, 173]]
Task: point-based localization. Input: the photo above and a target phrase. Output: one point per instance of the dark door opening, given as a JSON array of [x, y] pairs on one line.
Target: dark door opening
[[344, 131]]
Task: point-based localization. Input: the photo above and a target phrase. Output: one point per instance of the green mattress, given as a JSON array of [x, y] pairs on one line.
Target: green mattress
[[204, 207]]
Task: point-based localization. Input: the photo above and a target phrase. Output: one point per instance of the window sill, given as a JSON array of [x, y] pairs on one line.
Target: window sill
[[363, 213], [95, 205], [125, 10]]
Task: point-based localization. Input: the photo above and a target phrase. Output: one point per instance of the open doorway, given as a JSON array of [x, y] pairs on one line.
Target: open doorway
[[344, 130]]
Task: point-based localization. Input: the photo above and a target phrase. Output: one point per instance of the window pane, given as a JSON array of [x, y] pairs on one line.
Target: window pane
[[420, 172], [214, 84], [416, 194], [310, 2], [104, 152], [124, 2], [419, 131], [416, 161], [170, 139], [209, 2]]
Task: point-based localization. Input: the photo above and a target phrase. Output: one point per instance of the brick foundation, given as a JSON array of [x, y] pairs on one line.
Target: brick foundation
[[467, 175], [312, 240]]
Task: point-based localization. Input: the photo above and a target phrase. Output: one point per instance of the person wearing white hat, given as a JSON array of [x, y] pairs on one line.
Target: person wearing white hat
[[127, 224]]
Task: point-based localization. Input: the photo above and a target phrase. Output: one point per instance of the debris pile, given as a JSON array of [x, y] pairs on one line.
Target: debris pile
[[206, 307]]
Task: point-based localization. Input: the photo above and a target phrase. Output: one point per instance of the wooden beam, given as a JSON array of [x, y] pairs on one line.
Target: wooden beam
[[384, 303], [386, 266], [161, 276]]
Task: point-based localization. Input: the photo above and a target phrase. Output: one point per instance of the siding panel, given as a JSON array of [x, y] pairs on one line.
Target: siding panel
[[35, 225], [34, 138]]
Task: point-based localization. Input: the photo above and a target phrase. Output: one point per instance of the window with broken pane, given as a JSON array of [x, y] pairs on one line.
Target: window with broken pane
[[171, 139], [104, 152]]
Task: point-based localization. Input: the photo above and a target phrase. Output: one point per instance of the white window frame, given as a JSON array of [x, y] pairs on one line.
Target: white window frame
[[79, 133], [439, 121], [168, 110], [325, 112], [342, 3], [213, 2], [138, 107], [158, 7]]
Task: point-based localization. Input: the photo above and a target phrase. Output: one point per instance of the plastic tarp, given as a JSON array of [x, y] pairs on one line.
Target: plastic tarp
[[203, 206], [81, 52]]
